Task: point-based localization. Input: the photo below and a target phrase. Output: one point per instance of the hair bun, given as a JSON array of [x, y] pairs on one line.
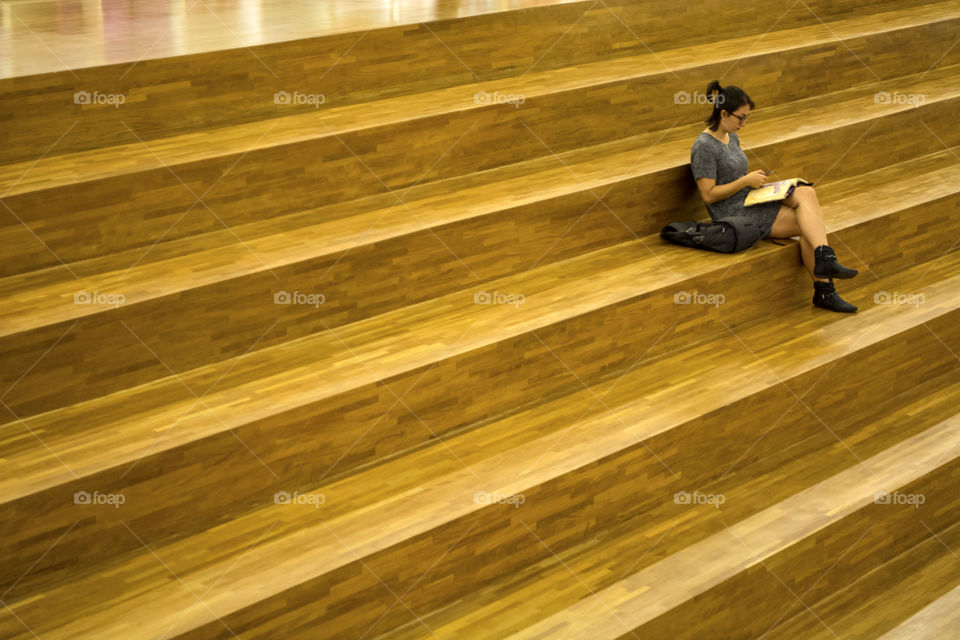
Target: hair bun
[[713, 88]]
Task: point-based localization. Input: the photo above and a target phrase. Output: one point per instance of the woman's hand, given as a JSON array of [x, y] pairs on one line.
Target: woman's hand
[[755, 179]]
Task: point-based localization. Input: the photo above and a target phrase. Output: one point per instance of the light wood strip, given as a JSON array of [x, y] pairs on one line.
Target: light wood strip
[[938, 620], [43, 40], [299, 448], [879, 601]]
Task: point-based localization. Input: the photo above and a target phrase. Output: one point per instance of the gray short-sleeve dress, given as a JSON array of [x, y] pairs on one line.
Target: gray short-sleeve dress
[[710, 158]]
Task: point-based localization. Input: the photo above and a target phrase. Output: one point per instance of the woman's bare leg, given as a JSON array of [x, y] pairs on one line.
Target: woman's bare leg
[[787, 225], [809, 215]]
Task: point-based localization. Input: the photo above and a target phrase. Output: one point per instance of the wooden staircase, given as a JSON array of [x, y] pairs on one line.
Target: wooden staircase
[[414, 363]]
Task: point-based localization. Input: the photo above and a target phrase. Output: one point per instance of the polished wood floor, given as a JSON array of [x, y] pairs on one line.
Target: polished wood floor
[[414, 363], [41, 36]]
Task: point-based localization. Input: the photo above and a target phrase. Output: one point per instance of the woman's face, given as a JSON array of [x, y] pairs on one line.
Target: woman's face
[[734, 121]]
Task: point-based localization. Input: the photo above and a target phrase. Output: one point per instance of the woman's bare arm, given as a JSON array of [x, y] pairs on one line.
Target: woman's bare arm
[[711, 192]]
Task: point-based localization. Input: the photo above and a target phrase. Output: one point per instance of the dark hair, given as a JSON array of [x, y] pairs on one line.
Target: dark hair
[[728, 98]]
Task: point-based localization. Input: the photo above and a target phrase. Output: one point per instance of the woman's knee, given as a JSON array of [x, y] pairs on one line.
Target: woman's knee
[[802, 193]]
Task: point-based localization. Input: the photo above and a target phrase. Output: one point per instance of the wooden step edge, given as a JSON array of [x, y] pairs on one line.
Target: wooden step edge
[[669, 583], [317, 380], [296, 557], [338, 121], [885, 597], [264, 253], [938, 620], [597, 565]]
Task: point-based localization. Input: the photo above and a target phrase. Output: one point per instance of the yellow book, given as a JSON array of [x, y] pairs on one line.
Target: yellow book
[[774, 191]]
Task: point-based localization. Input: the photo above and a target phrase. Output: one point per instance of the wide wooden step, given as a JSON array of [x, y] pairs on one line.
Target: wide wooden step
[[902, 595], [542, 469], [769, 559], [938, 620], [515, 601], [106, 200]]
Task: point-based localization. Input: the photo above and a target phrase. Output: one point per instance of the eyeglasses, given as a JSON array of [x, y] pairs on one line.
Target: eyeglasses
[[740, 118]]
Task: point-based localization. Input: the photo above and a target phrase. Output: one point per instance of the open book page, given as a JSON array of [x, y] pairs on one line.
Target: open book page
[[773, 191]]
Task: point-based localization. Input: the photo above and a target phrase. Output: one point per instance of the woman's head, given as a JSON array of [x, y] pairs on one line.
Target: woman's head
[[730, 105]]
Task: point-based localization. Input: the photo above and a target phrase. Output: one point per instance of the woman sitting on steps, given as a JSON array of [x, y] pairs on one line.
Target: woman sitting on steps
[[720, 170]]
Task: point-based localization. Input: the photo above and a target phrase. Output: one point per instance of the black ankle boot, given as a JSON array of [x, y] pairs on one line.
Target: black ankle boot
[[825, 296], [827, 266]]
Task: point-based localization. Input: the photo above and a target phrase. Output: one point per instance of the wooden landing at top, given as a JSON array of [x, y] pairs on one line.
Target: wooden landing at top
[[42, 37], [47, 36]]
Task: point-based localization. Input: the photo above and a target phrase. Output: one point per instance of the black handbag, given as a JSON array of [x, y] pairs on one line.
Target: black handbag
[[727, 235]]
